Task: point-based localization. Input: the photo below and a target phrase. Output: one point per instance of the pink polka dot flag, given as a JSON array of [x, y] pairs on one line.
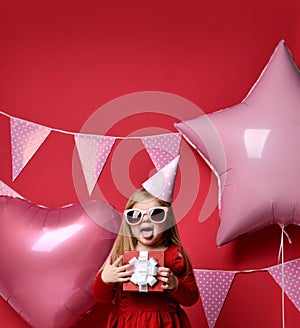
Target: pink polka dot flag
[[26, 138], [291, 280], [213, 287], [93, 152], [162, 148], [5, 190]]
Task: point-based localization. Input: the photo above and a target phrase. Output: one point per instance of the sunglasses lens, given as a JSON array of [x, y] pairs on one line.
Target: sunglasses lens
[[133, 216], [157, 214]]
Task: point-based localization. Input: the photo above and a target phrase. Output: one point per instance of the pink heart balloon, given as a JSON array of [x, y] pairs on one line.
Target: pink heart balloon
[[49, 258], [253, 148]]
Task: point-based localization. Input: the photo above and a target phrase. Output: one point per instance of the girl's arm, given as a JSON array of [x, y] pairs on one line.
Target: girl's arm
[[103, 292], [180, 280], [106, 279], [186, 293]]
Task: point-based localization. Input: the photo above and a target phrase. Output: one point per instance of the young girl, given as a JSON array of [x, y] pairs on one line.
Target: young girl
[[148, 224]]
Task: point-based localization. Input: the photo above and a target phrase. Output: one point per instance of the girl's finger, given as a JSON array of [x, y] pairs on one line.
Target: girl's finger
[[163, 279], [109, 260], [164, 273], [127, 266], [124, 279], [166, 286], [163, 269], [126, 274], [118, 261]]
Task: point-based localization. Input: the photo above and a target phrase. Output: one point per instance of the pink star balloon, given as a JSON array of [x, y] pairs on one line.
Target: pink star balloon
[[49, 258], [254, 150]]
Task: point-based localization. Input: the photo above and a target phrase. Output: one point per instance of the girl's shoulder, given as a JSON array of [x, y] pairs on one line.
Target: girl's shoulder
[[174, 248]]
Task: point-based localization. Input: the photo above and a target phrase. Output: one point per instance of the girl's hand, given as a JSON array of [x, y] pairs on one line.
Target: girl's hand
[[113, 272], [167, 277]]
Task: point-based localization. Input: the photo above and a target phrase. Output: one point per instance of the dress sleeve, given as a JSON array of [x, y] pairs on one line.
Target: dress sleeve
[[103, 292], [186, 292]]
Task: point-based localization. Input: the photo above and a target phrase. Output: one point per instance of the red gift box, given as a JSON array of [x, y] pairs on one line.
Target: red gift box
[[146, 265]]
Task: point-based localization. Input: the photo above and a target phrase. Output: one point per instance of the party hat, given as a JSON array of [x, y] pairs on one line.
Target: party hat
[[162, 183]]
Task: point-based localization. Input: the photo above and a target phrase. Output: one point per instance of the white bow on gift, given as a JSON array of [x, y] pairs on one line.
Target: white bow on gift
[[144, 271]]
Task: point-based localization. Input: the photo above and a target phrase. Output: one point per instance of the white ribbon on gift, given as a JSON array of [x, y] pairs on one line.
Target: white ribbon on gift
[[144, 271]]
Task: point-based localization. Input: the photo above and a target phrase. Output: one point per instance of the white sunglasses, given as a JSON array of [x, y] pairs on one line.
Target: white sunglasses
[[156, 214]]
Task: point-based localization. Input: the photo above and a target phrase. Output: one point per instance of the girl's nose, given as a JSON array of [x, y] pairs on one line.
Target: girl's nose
[[145, 217]]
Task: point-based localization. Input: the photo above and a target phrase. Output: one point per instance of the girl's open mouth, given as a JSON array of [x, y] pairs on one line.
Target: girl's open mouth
[[147, 233]]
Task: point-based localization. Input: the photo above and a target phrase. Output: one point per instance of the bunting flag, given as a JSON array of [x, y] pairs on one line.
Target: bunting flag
[[291, 279], [213, 287], [93, 152], [162, 148], [26, 138], [5, 190]]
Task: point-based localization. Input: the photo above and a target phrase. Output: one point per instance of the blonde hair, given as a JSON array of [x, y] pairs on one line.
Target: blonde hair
[[125, 239]]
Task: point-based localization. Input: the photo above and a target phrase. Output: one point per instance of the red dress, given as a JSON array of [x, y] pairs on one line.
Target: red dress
[[153, 309]]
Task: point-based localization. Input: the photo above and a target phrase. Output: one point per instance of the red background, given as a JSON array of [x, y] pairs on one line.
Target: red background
[[61, 60]]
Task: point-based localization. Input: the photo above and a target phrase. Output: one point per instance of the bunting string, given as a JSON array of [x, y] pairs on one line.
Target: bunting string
[[89, 134], [282, 277], [93, 150], [281, 255]]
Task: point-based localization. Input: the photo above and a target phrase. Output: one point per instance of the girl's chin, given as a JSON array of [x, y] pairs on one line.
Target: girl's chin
[[146, 241]]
